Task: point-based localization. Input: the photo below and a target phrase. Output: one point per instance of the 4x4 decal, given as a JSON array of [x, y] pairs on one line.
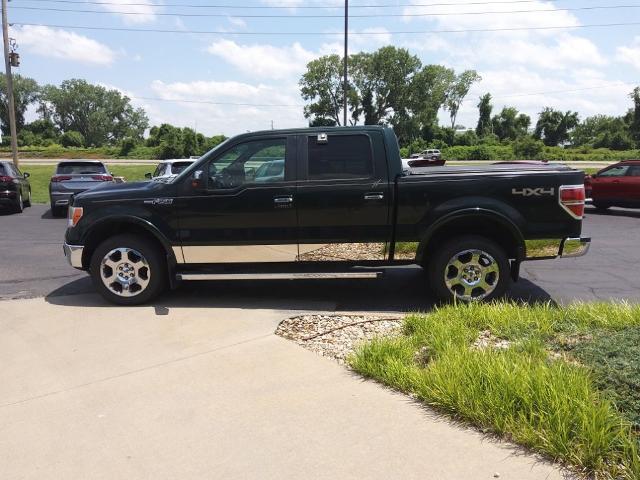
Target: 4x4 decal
[[534, 192]]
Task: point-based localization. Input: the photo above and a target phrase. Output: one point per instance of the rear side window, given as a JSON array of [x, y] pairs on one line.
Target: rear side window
[[619, 171], [342, 156], [634, 171], [79, 168]]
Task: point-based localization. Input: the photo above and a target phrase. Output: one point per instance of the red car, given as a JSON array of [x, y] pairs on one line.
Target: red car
[[615, 186]]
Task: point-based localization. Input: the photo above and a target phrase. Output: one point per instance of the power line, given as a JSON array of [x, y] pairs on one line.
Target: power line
[[441, 14], [306, 33], [297, 7]]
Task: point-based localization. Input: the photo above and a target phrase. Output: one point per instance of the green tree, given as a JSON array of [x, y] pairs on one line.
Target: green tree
[[485, 108], [634, 128], [322, 86], [25, 92], [554, 127], [599, 130], [189, 142], [102, 116], [509, 124], [458, 91], [382, 84], [430, 87]]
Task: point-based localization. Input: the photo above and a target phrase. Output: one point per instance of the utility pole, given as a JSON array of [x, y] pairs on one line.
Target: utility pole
[[7, 66], [346, 55]]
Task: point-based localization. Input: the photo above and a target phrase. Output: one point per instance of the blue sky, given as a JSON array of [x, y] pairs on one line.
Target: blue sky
[[589, 70]]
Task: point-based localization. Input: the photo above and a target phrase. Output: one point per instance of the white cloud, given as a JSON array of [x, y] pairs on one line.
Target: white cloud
[[250, 112], [143, 11], [630, 54], [530, 91], [237, 22], [265, 61], [63, 44]]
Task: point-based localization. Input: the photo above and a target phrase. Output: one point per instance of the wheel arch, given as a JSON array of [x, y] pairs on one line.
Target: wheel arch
[[111, 226], [476, 221]]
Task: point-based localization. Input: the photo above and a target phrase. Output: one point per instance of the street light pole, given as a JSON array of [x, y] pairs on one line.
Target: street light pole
[[346, 55], [7, 66]]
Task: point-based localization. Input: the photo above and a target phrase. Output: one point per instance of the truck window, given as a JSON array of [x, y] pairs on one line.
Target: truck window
[[258, 161], [342, 156]]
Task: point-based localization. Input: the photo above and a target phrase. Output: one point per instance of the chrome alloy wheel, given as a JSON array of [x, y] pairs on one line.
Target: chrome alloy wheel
[[125, 272], [471, 275]]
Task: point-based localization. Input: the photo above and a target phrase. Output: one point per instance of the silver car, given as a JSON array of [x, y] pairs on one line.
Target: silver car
[[169, 169], [74, 176]]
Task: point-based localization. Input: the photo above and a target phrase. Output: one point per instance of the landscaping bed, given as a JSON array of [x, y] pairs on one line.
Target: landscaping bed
[[563, 381]]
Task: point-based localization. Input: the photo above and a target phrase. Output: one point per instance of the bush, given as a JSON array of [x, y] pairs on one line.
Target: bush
[[127, 145], [72, 139], [26, 137], [528, 148]]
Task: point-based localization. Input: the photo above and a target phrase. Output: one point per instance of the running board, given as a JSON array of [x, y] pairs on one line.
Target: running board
[[277, 276]]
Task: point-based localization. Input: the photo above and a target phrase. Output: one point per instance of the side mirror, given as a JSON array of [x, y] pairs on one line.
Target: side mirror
[[197, 180], [26, 175], [148, 175]]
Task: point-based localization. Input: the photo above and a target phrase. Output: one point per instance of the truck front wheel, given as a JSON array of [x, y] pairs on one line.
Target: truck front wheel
[[469, 268], [128, 269]]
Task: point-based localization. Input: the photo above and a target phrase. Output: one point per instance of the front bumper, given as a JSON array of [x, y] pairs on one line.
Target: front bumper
[[73, 254], [554, 248]]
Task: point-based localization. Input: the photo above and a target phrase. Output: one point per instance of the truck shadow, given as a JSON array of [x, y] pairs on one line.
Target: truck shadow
[[401, 289]]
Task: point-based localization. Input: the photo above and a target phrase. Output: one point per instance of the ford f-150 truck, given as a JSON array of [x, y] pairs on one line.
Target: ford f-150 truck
[[324, 203]]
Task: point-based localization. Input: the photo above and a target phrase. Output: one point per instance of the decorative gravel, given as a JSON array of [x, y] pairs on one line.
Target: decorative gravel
[[336, 336]]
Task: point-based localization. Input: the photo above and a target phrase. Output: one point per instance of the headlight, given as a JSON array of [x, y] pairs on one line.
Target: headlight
[[74, 215]]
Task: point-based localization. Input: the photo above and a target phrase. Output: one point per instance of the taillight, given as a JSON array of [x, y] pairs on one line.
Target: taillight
[[572, 199], [60, 178], [6, 179], [103, 178]]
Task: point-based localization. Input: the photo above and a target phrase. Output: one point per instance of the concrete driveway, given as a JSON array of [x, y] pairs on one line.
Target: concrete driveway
[[198, 391]]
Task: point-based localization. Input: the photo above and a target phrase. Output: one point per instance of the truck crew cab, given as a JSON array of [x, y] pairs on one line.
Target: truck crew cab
[[317, 202]]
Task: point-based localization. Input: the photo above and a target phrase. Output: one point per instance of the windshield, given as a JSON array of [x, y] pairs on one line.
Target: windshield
[[179, 167], [80, 168]]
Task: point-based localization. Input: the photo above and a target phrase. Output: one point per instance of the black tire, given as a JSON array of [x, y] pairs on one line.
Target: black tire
[[494, 256], [27, 202], [156, 273], [18, 206]]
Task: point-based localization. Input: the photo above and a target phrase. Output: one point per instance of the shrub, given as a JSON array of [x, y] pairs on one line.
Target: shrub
[[528, 148], [127, 145], [72, 139]]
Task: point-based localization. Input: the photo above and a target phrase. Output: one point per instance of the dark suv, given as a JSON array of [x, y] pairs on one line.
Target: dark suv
[[15, 190]]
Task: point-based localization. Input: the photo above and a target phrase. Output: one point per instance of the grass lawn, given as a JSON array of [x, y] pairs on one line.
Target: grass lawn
[[41, 174], [560, 380]]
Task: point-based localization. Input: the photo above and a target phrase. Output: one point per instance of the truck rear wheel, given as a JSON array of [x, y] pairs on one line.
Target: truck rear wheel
[[469, 268], [128, 270]]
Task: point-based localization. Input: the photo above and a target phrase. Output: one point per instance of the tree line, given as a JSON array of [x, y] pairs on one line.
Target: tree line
[[391, 87], [80, 114]]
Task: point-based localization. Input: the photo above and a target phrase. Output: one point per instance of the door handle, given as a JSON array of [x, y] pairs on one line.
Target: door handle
[[374, 196], [286, 200]]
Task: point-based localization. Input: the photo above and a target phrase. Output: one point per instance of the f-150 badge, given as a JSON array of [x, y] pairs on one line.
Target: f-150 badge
[[534, 192], [159, 201]]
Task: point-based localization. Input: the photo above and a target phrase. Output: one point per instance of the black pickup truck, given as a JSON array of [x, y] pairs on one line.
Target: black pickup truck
[[324, 203]]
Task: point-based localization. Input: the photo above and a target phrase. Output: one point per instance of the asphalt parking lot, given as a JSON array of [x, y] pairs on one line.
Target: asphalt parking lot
[[32, 265]]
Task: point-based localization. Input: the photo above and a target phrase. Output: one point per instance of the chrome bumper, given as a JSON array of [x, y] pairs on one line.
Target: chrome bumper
[[73, 254], [554, 248], [574, 247]]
